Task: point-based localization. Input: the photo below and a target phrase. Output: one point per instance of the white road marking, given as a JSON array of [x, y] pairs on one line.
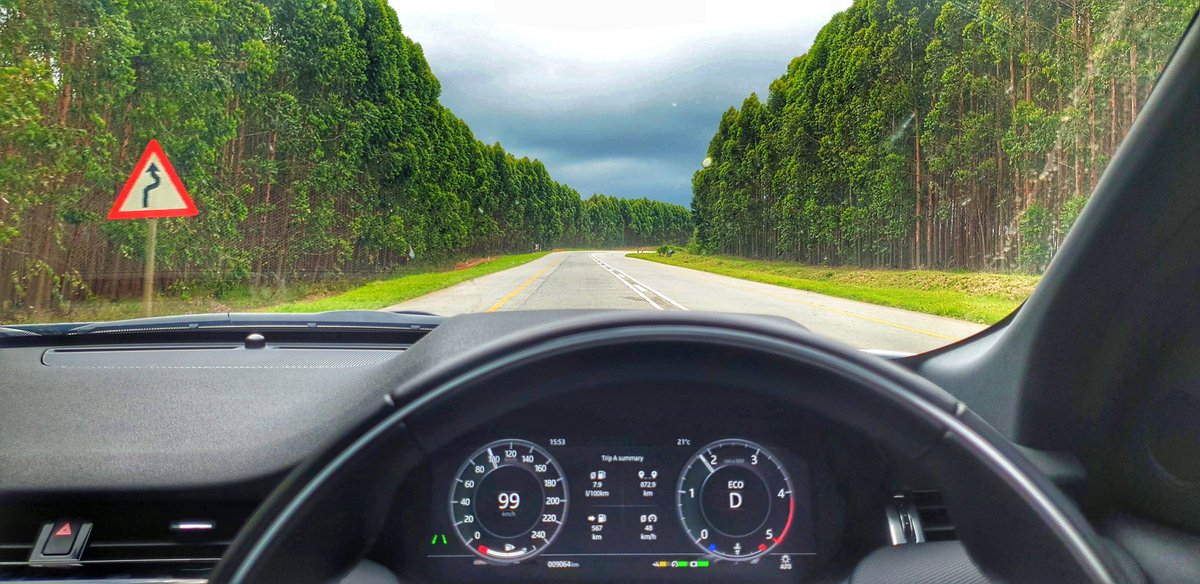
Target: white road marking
[[635, 285], [660, 294], [625, 282], [728, 281]]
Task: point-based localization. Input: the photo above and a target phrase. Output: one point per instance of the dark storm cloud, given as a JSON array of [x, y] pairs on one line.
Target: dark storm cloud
[[633, 123]]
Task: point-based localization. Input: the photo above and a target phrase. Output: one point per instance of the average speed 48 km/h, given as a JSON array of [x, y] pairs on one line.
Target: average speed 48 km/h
[[508, 501], [735, 500]]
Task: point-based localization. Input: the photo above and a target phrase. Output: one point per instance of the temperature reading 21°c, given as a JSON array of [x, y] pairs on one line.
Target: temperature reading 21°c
[[735, 500], [508, 501]]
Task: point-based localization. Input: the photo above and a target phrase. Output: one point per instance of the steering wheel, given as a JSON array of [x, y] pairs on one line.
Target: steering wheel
[[1015, 524]]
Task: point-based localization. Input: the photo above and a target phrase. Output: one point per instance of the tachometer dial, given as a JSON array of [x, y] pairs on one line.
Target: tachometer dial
[[509, 501], [735, 500]]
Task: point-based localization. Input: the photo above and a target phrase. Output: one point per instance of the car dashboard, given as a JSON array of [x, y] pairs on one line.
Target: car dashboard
[[621, 479], [593, 474]]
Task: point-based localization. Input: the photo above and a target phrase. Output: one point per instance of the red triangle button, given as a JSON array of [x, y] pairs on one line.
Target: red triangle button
[[63, 531]]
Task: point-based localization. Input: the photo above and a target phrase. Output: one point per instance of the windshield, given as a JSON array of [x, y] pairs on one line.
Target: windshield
[[892, 173]]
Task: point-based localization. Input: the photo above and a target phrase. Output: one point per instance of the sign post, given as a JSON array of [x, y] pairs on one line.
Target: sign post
[[148, 277], [155, 198]]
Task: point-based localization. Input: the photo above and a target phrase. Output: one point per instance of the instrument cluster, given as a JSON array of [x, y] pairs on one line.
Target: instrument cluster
[[628, 487], [564, 507]]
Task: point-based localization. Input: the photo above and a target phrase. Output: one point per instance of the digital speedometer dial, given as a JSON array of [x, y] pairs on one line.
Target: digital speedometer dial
[[508, 501], [735, 500]]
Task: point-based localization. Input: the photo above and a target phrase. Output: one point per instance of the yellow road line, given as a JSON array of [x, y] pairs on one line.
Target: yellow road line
[[501, 302]]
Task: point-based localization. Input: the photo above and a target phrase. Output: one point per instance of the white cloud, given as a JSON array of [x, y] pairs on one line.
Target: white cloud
[[511, 67]]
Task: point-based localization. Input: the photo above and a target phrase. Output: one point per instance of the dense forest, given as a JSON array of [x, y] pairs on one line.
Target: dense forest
[[309, 133], [961, 134]]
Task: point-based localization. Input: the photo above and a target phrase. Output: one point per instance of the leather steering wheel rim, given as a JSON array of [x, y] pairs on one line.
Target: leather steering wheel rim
[[269, 541]]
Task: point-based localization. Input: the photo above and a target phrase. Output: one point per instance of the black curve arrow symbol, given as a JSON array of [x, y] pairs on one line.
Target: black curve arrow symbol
[[153, 172]]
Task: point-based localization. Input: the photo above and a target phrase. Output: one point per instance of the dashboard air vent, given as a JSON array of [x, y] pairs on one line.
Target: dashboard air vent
[[162, 541], [918, 517], [935, 520]]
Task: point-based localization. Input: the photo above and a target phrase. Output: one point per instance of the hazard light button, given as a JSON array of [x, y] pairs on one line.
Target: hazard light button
[[60, 543], [61, 540]]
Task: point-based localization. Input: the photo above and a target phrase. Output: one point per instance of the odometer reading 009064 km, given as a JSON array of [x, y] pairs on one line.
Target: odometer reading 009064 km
[[508, 501], [735, 500]]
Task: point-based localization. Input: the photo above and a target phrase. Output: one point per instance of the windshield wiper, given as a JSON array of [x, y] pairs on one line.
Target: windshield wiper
[[233, 321]]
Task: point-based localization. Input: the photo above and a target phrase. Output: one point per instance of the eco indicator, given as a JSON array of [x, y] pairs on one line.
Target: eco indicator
[[735, 500]]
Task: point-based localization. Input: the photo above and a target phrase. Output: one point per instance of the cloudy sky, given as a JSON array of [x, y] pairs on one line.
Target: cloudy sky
[[618, 97]]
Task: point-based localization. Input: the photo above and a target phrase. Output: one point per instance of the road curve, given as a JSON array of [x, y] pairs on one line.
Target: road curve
[[608, 279]]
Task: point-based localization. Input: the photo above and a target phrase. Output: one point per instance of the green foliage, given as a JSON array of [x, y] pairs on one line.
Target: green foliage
[[309, 134], [695, 247], [920, 133], [612, 222], [1070, 211], [1037, 229]]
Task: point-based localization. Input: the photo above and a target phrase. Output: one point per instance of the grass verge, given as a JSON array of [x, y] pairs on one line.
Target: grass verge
[[383, 293], [981, 297], [192, 301], [412, 281]]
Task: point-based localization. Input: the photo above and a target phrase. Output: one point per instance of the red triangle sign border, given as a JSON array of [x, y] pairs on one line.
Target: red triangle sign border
[[189, 208]]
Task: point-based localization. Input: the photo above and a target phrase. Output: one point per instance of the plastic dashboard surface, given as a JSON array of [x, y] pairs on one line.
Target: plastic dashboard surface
[[636, 484]]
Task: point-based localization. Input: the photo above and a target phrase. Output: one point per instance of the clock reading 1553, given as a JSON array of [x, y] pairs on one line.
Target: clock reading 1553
[[508, 501]]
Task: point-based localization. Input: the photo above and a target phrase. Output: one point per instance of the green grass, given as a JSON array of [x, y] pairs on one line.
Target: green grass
[[981, 297], [412, 281], [194, 301], [383, 293]]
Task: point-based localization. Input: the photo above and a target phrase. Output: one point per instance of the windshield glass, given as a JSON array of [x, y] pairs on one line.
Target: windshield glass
[[892, 173]]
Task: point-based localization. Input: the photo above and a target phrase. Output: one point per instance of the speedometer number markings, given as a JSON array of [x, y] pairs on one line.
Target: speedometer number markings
[[508, 501]]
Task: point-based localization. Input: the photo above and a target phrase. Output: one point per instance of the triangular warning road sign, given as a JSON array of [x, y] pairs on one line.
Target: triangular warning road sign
[[63, 531], [153, 190]]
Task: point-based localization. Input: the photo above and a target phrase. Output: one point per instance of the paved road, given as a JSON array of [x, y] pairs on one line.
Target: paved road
[[608, 279]]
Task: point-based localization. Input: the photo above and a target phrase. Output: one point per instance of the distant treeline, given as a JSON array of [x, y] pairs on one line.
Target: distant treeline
[[955, 134], [309, 134]]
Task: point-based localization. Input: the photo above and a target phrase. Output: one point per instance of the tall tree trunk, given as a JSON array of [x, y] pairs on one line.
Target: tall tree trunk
[[1074, 21], [1114, 114], [266, 212], [283, 252], [929, 259], [917, 167], [67, 68], [49, 228], [1091, 81], [1028, 57], [127, 135], [1133, 83]]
